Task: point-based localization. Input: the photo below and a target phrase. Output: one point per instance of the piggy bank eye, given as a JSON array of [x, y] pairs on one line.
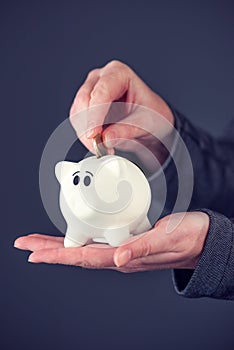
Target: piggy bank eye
[[76, 180], [87, 180]]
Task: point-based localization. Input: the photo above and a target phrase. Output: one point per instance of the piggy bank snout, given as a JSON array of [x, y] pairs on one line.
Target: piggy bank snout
[[100, 199]]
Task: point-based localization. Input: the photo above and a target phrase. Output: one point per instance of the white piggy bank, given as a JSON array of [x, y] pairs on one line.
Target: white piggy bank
[[104, 199]]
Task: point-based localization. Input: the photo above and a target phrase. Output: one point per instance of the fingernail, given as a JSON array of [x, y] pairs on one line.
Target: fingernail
[[110, 140], [123, 258]]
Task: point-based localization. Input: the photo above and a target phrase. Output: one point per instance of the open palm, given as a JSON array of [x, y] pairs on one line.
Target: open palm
[[152, 250]]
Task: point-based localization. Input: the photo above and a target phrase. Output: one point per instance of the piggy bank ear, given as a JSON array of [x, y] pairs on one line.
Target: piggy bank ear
[[107, 178], [62, 169]]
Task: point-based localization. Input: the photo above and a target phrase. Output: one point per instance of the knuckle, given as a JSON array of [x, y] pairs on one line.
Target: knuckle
[[101, 90], [103, 86], [93, 73], [83, 92], [162, 224], [145, 248], [118, 66], [115, 64]]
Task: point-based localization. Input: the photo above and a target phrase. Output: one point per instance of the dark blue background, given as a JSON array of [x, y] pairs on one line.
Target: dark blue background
[[182, 49]]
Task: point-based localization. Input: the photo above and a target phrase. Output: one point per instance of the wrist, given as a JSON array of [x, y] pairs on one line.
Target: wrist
[[201, 228]]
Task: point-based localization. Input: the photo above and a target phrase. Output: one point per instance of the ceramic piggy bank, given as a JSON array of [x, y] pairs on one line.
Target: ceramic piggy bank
[[104, 199]]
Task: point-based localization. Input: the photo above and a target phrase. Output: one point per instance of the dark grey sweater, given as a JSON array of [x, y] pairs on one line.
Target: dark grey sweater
[[213, 163]]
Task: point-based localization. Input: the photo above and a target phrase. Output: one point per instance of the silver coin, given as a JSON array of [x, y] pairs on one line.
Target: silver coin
[[99, 148]]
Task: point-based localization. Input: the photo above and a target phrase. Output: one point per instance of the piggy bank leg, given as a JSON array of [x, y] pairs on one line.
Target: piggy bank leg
[[74, 239], [115, 237]]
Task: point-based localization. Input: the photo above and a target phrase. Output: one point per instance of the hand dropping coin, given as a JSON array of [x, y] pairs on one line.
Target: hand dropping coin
[[99, 147]]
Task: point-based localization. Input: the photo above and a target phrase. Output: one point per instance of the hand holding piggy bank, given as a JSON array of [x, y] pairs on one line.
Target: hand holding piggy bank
[[104, 199]]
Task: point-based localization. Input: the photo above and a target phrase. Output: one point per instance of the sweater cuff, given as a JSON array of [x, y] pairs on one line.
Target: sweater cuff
[[206, 279]]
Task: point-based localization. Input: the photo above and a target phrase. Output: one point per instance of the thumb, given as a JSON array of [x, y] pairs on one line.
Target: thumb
[[137, 246], [119, 133], [140, 123]]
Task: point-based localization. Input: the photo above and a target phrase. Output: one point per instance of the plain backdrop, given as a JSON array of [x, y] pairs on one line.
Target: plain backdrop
[[185, 51]]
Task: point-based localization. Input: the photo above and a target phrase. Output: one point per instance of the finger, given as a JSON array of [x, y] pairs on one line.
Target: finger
[[37, 243], [53, 238], [111, 85], [168, 259], [129, 127], [100, 246], [129, 269], [144, 245], [142, 268], [82, 98], [139, 123], [82, 256], [89, 123], [161, 261], [118, 133], [84, 122]]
